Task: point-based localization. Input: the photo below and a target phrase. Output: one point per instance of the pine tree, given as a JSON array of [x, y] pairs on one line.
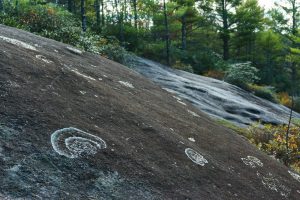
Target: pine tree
[[225, 16]]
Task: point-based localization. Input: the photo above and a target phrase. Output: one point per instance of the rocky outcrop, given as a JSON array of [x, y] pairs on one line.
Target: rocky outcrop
[[74, 125], [218, 99]]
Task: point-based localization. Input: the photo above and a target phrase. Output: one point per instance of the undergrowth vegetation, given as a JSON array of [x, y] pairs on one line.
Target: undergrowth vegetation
[[54, 22], [272, 139]]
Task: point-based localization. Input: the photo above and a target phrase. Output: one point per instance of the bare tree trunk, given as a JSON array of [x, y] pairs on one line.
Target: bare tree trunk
[[83, 17], [135, 13], [167, 34], [225, 31], [1, 6], [183, 32], [287, 159], [70, 5], [97, 10], [102, 14]]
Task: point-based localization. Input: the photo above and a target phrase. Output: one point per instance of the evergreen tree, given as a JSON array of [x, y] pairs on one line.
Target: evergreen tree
[[1, 6], [225, 16], [249, 20]]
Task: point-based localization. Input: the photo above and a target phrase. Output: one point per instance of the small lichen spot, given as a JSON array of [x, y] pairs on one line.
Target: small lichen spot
[[252, 161], [195, 157]]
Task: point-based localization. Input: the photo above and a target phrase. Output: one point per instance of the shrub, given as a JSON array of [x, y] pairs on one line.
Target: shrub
[[69, 35], [284, 99], [203, 61], [185, 67], [241, 74], [263, 92], [272, 139], [111, 49], [297, 104], [215, 74]]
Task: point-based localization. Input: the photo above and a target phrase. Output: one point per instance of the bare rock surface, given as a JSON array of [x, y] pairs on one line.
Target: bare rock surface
[[78, 126], [216, 98]]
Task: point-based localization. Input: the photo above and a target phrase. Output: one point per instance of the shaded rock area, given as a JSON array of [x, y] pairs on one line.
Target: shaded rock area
[[74, 125], [216, 98]]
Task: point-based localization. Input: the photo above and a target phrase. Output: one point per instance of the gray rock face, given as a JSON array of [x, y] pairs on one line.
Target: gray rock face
[[127, 138], [214, 97]]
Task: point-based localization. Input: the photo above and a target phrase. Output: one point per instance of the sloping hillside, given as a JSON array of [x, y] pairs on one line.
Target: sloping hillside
[[78, 126], [216, 98]]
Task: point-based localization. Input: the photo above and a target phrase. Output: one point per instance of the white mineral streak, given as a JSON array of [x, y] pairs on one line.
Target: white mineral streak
[[18, 43], [126, 84], [177, 98], [294, 175], [73, 143], [83, 75], [193, 113], [74, 50], [252, 161], [43, 58], [195, 157], [181, 102], [169, 90]]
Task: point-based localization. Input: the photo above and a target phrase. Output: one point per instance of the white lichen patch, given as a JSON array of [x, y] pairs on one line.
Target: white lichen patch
[[73, 143], [272, 183], [191, 139], [294, 175], [11, 84], [126, 84], [252, 161], [195, 157], [82, 75], [18, 43], [108, 180], [74, 50], [193, 113], [43, 58]]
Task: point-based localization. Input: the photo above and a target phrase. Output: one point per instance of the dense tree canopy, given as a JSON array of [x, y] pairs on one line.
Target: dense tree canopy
[[205, 37]]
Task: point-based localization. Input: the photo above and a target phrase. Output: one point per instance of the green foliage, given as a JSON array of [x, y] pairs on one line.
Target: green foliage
[[115, 52], [38, 18], [200, 32], [241, 74], [264, 92], [230, 125], [249, 18], [297, 104], [272, 139]]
